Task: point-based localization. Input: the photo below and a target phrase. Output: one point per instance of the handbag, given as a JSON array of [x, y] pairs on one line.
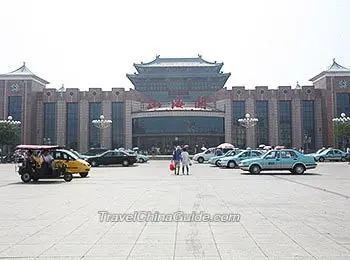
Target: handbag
[[171, 167]]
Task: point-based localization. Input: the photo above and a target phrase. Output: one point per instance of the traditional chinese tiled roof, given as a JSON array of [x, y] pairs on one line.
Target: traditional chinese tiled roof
[[333, 69], [23, 72], [178, 62]]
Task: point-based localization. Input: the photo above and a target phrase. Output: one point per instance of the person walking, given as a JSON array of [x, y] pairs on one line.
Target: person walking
[[176, 159], [185, 160]]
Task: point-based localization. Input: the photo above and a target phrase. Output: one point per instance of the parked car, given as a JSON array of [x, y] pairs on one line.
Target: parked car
[[233, 161], [331, 155], [141, 158], [285, 159], [215, 159], [95, 151], [112, 157], [204, 156]]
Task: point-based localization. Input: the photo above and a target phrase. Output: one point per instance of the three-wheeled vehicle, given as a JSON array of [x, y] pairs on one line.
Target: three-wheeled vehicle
[[33, 168]]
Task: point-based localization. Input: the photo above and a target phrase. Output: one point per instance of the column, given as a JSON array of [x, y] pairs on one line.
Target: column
[[106, 134], [40, 122], [318, 124], [273, 122], [297, 125], [250, 133], [228, 121], [61, 122], [83, 126], [128, 124]]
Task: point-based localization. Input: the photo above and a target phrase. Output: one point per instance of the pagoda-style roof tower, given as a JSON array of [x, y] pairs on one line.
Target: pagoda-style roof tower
[[334, 70], [166, 78], [23, 73]]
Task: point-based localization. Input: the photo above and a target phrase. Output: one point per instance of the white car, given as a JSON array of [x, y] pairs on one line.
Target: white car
[[204, 156]]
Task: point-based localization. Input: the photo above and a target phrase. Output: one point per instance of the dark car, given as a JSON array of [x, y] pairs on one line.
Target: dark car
[[112, 157], [95, 151]]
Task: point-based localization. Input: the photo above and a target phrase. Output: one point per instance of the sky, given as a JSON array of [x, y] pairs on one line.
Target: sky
[[87, 44]]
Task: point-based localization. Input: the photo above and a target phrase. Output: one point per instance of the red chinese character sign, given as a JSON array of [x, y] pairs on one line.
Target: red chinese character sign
[[201, 102], [177, 102], [154, 104]]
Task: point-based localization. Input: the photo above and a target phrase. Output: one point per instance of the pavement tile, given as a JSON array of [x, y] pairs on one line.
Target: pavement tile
[[148, 250], [66, 250], [109, 250], [196, 249], [24, 250]]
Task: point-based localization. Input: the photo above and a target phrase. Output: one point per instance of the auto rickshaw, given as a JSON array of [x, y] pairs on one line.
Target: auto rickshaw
[[32, 168]]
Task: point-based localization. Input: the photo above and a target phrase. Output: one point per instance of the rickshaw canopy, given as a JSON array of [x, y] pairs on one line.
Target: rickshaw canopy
[[36, 147]]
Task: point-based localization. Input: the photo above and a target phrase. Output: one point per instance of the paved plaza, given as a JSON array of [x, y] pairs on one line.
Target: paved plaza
[[281, 216]]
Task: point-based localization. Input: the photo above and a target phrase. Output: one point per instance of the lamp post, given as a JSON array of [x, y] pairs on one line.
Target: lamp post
[[248, 121], [342, 120], [101, 123]]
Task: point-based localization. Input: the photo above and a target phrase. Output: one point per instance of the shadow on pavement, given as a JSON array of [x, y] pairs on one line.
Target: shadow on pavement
[[39, 182], [281, 173]]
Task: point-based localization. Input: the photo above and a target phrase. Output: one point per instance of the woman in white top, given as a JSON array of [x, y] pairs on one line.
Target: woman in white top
[[185, 160]]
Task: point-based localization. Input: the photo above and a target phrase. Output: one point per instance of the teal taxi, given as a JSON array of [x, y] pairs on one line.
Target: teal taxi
[[233, 161], [285, 159]]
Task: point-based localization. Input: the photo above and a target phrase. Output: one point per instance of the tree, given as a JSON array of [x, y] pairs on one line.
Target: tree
[[342, 132], [9, 134]]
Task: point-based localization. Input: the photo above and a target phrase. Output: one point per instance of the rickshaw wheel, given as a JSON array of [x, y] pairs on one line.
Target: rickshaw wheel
[[25, 177], [68, 177]]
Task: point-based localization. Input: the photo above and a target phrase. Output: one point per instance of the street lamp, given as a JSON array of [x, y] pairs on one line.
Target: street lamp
[[248, 121], [10, 121], [101, 123], [342, 119]]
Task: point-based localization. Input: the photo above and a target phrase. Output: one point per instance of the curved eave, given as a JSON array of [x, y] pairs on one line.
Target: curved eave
[[329, 73], [182, 75], [22, 77]]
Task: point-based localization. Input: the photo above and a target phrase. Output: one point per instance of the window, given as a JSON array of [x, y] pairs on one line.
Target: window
[[288, 154], [245, 154], [272, 155], [343, 103], [262, 128], [72, 126], [308, 125], [256, 154], [15, 107], [118, 137], [239, 132], [178, 125], [94, 132], [330, 153], [49, 123], [285, 120]]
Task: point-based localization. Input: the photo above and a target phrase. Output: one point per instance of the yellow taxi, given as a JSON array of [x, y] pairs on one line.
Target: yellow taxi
[[72, 161]]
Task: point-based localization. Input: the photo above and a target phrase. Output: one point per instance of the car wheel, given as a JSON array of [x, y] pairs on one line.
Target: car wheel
[[200, 160], [231, 164], [321, 159], [68, 177], [141, 160], [217, 163], [94, 164], [299, 169], [26, 177], [83, 174], [125, 163], [343, 159], [255, 169]]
